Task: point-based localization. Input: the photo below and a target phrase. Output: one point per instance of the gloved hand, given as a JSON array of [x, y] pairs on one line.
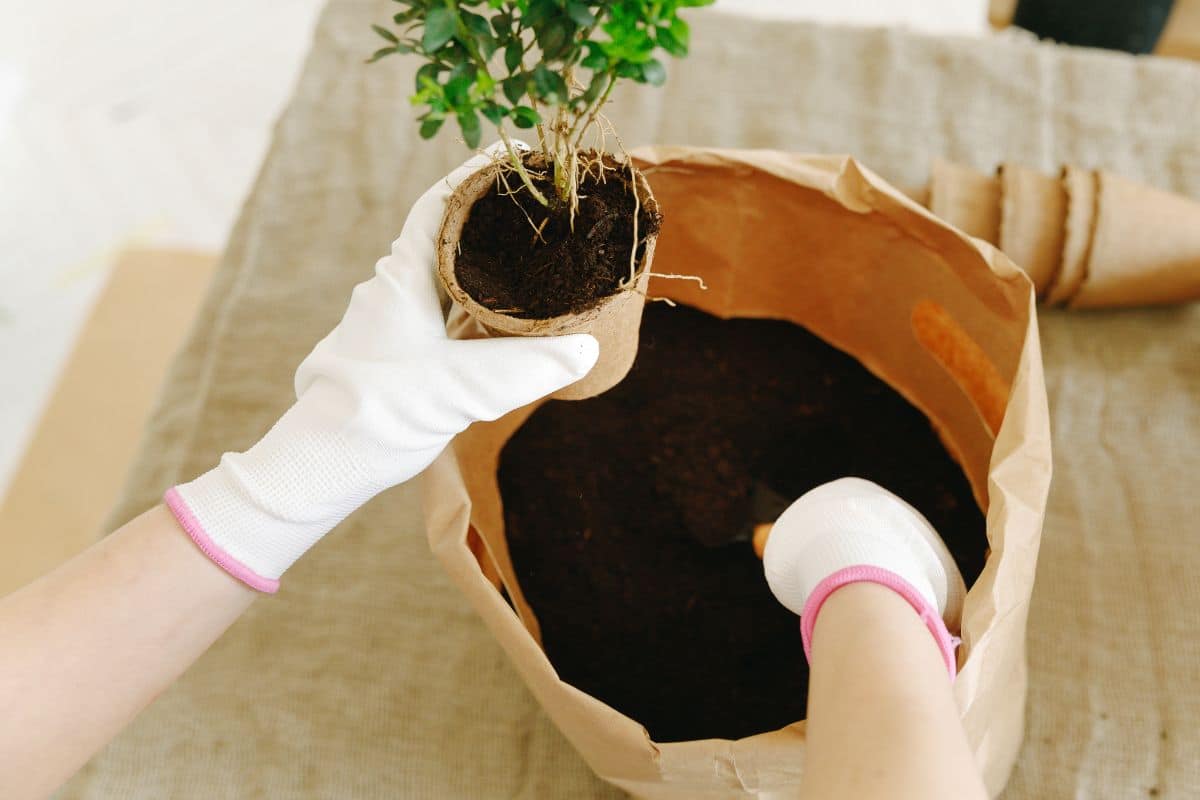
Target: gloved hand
[[852, 530], [377, 401]]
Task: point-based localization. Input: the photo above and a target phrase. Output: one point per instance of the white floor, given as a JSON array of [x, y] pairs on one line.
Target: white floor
[[143, 122]]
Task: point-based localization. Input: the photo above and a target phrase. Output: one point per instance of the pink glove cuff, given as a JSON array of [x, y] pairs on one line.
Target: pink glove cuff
[[946, 642], [195, 531]]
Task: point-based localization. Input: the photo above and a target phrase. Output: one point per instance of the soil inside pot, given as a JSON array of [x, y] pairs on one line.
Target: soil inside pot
[[609, 502], [523, 259]]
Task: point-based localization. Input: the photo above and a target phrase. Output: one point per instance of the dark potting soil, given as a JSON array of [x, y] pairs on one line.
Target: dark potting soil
[[520, 258], [608, 502]]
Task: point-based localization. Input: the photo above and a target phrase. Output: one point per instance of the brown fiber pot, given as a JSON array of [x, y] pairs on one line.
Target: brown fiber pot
[[614, 321]]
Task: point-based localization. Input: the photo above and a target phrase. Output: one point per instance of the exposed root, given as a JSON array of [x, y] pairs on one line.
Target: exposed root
[[637, 210], [587, 165], [537, 234], [665, 168], [674, 276], [651, 298]]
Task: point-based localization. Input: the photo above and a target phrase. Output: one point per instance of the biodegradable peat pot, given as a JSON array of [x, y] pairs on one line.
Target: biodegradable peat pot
[[614, 320], [947, 321]]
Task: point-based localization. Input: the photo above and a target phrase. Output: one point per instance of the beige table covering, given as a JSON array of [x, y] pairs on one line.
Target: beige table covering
[[368, 676]]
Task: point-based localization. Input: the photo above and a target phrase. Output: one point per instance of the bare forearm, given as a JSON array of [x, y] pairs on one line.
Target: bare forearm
[[87, 647], [882, 721]]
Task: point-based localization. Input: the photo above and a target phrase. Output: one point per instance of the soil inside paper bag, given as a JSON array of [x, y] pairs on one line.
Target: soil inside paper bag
[[520, 258], [608, 501]]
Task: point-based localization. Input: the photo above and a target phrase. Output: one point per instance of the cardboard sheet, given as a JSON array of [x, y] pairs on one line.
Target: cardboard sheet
[[89, 434]]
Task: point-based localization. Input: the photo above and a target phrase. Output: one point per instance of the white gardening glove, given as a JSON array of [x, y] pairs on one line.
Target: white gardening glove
[[377, 400], [853, 530]]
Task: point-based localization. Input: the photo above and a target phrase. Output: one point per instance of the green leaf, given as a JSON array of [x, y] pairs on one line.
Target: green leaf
[[599, 81], [440, 26], [513, 54], [487, 46], [481, 31], [549, 85], [380, 53], [494, 112], [681, 31], [477, 25], [514, 87], [464, 70], [654, 73], [525, 117], [628, 69], [554, 38], [537, 13], [469, 122], [596, 59], [580, 14], [385, 33], [428, 72], [406, 16], [430, 126], [502, 24], [695, 3], [675, 38], [453, 54], [458, 86]]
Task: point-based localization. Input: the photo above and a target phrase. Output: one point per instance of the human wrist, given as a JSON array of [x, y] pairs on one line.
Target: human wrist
[[835, 583], [257, 512]]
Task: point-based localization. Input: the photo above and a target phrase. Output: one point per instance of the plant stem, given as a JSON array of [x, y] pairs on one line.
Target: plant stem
[[533, 101], [519, 166], [564, 163], [589, 115], [541, 129]]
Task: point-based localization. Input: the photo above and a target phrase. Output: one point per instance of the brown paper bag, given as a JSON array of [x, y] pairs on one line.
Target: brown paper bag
[[947, 320]]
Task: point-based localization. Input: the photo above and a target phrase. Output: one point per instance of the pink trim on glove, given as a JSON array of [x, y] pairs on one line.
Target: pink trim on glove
[[195, 531], [946, 642]]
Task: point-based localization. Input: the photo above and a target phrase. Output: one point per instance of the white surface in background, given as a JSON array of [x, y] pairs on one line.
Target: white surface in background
[[129, 121], [934, 16], [143, 122]]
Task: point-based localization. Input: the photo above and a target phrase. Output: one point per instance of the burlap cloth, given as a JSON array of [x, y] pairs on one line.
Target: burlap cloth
[[369, 677]]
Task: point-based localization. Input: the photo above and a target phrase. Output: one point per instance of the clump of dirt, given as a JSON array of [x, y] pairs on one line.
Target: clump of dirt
[[523, 259]]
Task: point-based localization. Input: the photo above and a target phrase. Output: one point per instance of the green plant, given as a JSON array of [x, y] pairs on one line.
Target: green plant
[[549, 65]]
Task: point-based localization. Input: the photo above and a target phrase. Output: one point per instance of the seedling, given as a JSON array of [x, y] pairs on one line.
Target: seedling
[[545, 65]]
